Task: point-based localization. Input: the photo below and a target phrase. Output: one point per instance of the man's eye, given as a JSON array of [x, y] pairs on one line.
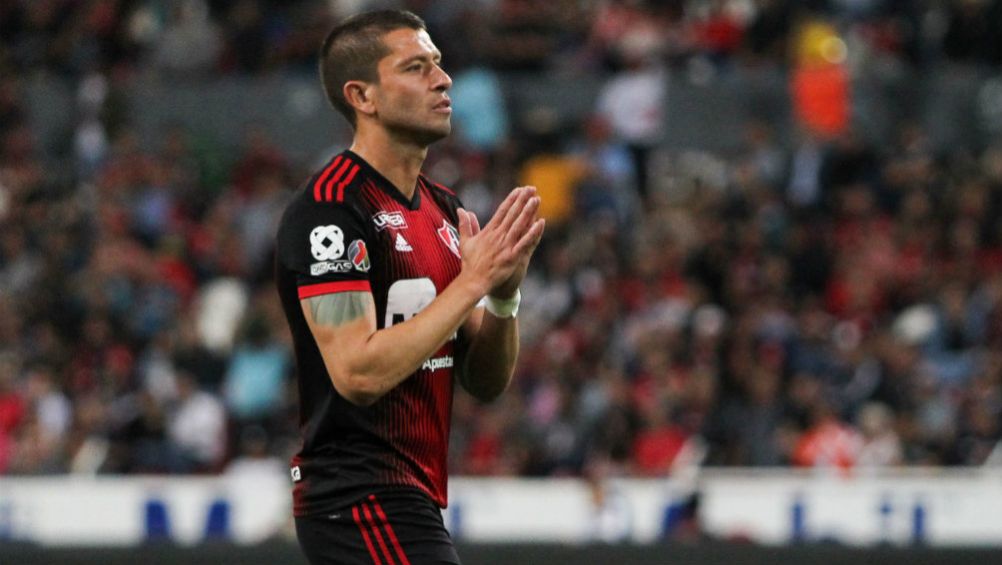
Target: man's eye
[[413, 68]]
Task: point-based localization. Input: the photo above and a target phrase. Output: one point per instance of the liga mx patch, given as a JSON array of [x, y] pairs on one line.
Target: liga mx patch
[[448, 234], [359, 255]]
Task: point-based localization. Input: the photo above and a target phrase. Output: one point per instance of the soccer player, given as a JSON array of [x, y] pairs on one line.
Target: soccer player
[[381, 274]]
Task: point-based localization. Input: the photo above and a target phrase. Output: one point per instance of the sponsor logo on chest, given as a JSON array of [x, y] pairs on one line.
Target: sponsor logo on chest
[[393, 220], [436, 363]]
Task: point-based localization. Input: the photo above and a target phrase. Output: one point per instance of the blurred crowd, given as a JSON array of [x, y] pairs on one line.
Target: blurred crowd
[[817, 301], [204, 37]]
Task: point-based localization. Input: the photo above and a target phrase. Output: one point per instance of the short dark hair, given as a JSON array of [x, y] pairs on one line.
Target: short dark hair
[[352, 51]]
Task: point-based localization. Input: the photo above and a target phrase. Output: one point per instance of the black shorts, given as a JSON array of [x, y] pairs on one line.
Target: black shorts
[[390, 527]]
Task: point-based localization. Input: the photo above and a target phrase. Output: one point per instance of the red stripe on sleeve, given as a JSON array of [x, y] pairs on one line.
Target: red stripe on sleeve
[[320, 181], [365, 536], [337, 176], [379, 536], [347, 180], [389, 531], [306, 291]]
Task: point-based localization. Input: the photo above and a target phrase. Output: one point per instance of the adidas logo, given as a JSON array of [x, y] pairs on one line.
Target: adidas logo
[[402, 244]]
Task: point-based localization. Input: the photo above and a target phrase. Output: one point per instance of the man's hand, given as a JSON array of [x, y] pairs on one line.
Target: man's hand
[[534, 228], [497, 255]]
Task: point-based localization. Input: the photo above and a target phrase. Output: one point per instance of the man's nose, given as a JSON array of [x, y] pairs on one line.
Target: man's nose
[[441, 79]]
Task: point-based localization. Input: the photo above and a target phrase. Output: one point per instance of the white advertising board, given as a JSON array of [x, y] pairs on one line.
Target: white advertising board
[[925, 506], [125, 511], [773, 507]]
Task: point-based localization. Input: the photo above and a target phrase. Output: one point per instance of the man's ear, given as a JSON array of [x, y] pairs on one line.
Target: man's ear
[[359, 96]]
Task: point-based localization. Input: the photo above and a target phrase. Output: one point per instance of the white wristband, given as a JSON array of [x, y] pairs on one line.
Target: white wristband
[[506, 308]]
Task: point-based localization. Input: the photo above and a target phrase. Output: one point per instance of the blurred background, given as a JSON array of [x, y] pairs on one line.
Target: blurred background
[[768, 305]]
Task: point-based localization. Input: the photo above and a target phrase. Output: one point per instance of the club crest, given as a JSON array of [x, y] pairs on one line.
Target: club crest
[[448, 234]]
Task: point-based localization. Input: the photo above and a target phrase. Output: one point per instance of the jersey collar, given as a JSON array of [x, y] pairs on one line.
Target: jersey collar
[[385, 185]]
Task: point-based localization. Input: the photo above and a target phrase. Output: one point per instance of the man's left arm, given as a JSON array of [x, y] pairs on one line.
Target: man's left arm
[[489, 361], [487, 367]]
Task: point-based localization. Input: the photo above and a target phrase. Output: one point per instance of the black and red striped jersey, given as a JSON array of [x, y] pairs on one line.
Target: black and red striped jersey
[[350, 229]]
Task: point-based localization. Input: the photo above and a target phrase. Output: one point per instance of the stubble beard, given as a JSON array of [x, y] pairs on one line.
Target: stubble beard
[[421, 135]]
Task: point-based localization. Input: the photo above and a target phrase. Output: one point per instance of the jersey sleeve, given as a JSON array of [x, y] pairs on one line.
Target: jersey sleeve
[[327, 247]]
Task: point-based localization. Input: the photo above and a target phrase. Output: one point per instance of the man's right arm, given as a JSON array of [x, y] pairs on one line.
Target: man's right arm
[[364, 362]]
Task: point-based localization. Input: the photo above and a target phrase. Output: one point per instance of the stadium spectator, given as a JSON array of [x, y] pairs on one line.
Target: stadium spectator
[[196, 428], [254, 384], [881, 444], [191, 42]]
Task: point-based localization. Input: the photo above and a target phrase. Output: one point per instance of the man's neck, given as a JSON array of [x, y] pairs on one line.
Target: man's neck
[[399, 162]]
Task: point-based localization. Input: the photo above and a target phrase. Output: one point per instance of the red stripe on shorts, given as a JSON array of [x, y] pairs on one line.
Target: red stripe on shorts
[[389, 531], [379, 535], [365, 536]]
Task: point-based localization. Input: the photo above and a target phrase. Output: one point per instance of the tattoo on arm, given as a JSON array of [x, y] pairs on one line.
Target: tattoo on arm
[[339, 308]]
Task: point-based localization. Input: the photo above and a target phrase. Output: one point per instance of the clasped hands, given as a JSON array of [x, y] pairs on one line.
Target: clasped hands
[[497, 255]]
